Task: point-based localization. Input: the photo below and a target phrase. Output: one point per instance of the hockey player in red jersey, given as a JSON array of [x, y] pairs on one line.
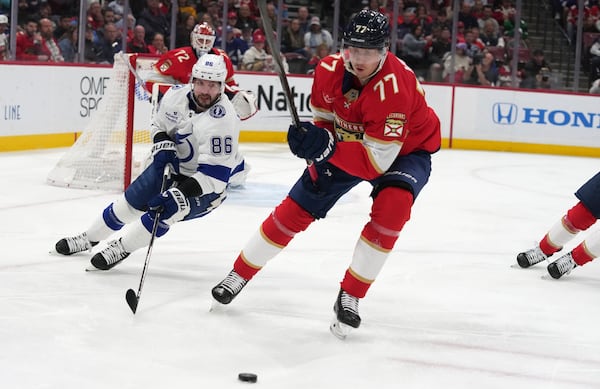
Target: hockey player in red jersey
[[175, 67], [371, 123]]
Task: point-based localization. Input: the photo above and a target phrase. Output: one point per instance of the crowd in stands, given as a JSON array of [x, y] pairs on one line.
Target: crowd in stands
[[48, 30]]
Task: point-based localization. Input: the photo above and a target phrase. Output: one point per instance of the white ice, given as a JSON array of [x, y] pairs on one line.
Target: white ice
[[447, 311]]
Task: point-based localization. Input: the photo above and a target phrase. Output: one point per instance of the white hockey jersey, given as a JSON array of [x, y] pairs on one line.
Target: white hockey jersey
[[206, 142]]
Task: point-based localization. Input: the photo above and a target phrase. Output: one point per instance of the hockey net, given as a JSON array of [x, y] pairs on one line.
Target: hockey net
[[112, 149]]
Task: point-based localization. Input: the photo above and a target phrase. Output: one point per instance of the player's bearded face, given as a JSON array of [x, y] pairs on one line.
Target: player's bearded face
[[364, 61], [206, 92]]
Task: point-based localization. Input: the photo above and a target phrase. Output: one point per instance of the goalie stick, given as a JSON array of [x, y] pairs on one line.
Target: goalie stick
[[262, 6], [131, 297]]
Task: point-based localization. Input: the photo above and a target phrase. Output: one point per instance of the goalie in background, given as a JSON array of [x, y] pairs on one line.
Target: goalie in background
[[175, 67], [196, 132], [579, 218]]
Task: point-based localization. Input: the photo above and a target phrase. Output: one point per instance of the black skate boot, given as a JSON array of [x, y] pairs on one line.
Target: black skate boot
[[531, 257], [230, 287], [346, 312], [112, 255], [562, 266], [75, 244]]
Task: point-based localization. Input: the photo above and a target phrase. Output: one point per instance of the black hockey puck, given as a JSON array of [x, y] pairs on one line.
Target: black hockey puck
[[247, 377]]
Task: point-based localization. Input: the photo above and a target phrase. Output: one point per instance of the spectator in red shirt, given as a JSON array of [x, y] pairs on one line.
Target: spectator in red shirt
[[29, 43], [49, 45]]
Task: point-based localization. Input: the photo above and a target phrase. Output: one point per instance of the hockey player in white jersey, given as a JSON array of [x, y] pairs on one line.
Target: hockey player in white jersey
[[195, 132]]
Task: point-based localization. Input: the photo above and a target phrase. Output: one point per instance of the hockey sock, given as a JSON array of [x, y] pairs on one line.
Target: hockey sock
[[278, 229], [391, 210], [577, 219], [588, 249]]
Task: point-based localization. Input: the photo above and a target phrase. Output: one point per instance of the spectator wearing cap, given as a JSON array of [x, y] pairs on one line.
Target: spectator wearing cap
[[3, 38], [254, 58], [316, 36], [232, 18], [463, 65]]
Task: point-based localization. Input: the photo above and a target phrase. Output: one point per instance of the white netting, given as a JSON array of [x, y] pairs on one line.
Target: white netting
[[97, 159]]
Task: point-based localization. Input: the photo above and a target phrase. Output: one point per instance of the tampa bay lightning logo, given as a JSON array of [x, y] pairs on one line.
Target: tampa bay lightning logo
[[181, 139], [217, 111]]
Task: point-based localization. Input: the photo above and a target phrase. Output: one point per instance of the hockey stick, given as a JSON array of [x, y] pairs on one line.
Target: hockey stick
[[262, 6], [131, 297]]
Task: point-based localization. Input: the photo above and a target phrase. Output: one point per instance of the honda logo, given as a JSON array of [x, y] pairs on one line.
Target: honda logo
[[504, 113]]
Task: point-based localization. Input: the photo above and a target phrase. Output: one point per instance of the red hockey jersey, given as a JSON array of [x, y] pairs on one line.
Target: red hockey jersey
[[178, 63], [375, 122]]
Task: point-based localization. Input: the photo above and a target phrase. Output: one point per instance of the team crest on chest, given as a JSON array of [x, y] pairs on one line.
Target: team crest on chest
[[394, 125], [217, 111]]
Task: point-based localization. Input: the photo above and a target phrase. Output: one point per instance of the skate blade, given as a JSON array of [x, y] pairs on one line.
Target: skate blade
[[216, 306], [339, 330]]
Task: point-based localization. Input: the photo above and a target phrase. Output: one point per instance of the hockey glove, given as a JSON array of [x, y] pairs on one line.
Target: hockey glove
[[164, 153], [311, 142], [172, 205]]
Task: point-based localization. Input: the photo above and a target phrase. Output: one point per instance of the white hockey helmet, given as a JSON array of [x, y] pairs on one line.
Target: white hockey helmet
[[202, 38], [210, 67]]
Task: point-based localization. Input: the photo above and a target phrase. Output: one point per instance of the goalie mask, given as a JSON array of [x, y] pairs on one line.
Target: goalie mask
[[365, 43], [202, 38]]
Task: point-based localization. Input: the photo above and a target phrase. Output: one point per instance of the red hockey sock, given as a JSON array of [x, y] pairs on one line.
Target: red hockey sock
[[244, 269], [285, 222], [580, 217], [547, 248], [580, 255], [353, 285]]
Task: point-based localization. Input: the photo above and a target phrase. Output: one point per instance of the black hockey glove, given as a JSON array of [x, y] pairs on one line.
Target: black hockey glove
[[164, 153], [311, 142], [172, 204]]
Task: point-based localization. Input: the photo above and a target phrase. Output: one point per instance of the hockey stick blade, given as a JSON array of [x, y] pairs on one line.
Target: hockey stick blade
[[132, 300]]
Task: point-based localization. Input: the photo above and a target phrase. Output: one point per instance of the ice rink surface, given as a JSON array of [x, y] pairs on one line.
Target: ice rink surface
[[447, 311]]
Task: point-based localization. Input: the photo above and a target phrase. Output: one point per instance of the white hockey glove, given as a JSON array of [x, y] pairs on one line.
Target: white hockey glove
[[172, 205], [244, 103]]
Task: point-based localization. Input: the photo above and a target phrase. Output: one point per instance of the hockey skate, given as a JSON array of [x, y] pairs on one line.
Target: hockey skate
[[75, 244], [112, 255], [346, 312], [230, 287], [531, 257], [562, 266]]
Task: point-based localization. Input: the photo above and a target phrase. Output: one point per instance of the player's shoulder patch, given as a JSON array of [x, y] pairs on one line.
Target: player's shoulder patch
[[165, 66], [394, 124], [217, 111]]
